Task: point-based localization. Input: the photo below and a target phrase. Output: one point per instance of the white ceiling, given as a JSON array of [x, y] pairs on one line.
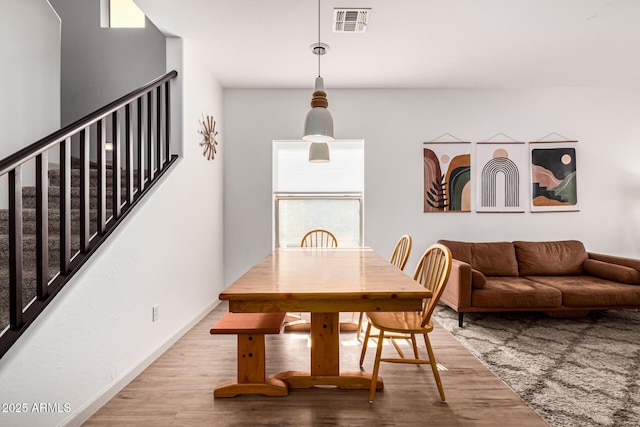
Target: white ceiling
[[412, 43]]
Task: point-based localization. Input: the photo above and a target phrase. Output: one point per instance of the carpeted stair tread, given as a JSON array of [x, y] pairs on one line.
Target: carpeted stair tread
[[29, 220], [29, 197], [29, 243], [54, 177]]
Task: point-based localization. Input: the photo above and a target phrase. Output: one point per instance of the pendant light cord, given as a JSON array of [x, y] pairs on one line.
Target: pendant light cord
[[319, 46]]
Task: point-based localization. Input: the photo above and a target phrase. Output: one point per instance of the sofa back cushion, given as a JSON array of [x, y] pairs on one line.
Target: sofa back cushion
[[459, 250], [560, 258], [491, 259], [495, 258]]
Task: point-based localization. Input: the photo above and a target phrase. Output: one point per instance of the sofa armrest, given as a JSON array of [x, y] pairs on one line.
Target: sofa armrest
[[613, 259], [457, 293], [614, 268]]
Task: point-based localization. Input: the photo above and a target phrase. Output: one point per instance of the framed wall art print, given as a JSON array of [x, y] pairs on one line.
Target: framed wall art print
[[554, 184], [447, 176], [501, 176]]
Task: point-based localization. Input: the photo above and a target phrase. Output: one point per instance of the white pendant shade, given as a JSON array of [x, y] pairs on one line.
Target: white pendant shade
[[319, 152], [318, 125]]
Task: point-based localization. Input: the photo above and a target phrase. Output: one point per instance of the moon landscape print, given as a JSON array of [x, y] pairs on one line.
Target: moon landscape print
[[553, 178]]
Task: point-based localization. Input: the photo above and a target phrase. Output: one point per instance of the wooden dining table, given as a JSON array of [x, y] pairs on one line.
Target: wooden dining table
[[324, 282]]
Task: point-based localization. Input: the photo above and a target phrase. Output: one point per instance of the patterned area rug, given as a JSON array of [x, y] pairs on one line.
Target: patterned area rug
[[572, 372]]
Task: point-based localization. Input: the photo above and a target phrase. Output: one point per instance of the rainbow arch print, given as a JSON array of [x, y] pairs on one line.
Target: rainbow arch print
[[501, 175]]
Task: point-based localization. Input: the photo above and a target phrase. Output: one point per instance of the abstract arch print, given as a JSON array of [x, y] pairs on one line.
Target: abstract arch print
[[509, 170], [447, 177], [500, 173], [554, 177]]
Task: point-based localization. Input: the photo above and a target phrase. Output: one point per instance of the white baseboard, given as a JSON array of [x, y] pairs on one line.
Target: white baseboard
[[86, 411]]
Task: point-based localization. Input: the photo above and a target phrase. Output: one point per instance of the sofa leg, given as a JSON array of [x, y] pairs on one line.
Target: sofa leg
[[460, 316]]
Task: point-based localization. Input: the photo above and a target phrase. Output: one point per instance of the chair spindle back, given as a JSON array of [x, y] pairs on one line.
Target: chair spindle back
[[319, 239], [433, 272], [401, 252]]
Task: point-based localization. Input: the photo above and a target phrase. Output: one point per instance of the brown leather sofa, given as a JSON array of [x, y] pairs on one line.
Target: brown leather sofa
[[559, 278]]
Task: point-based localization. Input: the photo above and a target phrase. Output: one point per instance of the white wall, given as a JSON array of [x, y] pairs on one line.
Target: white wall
[[395, 123], [99, 65], [30, 78], [30, 83], [97, 334]]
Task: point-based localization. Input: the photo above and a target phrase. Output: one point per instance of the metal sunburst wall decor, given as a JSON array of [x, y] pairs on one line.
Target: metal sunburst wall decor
[[208, 131]]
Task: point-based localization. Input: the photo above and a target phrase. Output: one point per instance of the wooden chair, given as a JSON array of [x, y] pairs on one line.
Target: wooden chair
[[319, 238], [250, 329], [399, 258], [433, 272]]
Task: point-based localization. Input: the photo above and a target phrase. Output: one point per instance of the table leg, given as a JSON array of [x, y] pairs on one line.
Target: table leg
[[251, 371], [325, 344], [325, 359]]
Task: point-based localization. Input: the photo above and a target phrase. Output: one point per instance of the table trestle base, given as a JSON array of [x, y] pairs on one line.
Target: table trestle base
[[345, 381]]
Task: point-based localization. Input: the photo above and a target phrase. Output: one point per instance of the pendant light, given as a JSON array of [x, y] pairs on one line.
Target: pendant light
[[319, 152], [318, 125]]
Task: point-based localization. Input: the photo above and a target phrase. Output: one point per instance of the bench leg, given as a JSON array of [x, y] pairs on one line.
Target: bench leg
[[251, 371], [460, 316]]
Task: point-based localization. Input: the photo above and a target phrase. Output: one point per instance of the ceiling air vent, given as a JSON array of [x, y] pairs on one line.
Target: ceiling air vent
[[350, 20]]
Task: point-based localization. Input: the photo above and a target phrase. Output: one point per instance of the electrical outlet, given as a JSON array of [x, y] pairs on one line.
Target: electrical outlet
[[156, 312]]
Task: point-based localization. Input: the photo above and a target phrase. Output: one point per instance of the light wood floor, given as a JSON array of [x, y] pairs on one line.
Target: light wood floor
[[176, 390]]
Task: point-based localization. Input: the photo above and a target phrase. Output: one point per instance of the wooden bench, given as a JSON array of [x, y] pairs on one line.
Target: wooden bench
[[250, 329]]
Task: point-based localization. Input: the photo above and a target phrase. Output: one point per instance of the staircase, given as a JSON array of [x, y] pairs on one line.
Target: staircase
[[29, 257], [49, 230]]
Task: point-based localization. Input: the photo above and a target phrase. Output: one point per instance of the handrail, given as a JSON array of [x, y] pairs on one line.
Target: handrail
[[141, 155], [49, 141]]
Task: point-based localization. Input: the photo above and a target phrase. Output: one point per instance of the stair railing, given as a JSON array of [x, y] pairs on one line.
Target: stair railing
[[142, 139]]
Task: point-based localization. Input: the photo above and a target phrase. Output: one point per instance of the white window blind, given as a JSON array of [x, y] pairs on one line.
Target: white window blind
[[292, 172]]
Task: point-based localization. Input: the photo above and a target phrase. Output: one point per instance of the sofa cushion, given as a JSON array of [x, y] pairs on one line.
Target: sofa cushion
[[515, 292], [459, 250], [478, 280], [492, 259], [589, 291], [613, 272], [550, 258]]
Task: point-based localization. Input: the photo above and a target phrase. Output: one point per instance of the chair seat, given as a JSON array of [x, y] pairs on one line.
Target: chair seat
[[407, 322]]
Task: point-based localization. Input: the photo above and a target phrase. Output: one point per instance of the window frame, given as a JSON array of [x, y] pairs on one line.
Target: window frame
[[105, 16], [353, 195]]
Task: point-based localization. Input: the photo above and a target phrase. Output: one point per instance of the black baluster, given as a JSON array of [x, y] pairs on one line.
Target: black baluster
[[15, 247], [42, 225], [158, 130], [116, 197], [141, 162], [102, 177], [128, 142], [167, 121], [65, 206], [150, 136], [85, 206]]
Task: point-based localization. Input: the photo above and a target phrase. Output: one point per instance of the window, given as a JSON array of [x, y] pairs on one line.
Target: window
[[121, 14], [318, 195]]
